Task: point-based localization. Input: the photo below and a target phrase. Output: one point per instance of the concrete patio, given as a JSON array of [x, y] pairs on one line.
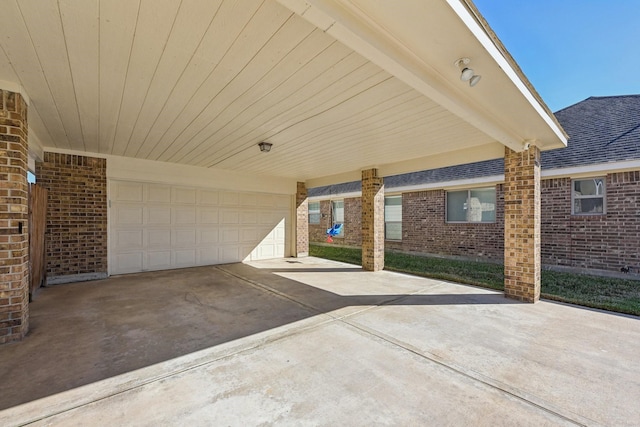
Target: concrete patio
[[313, 342]]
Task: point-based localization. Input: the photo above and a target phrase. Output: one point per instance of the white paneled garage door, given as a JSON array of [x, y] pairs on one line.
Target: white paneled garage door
[[159, 227]]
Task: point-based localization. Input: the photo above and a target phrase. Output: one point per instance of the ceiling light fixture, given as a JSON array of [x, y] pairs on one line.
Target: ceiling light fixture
[[467, 74], [265, 147]]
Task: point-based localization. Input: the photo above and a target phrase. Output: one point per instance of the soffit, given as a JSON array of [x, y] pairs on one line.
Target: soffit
[[201, 82]]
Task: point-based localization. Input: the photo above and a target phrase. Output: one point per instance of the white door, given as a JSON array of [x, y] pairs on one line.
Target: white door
[[160, 227]]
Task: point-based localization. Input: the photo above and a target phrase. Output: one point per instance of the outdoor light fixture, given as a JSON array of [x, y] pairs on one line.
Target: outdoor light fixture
[[467, 74], [265, 147]]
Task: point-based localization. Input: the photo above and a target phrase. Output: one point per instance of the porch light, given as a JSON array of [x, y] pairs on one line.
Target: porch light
[[265, 147], [467, 74]]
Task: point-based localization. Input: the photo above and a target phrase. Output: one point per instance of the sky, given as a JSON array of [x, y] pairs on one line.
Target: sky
[[571, 49]]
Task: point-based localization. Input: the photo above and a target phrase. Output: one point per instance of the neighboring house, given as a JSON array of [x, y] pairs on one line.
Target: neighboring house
[[590, 198]]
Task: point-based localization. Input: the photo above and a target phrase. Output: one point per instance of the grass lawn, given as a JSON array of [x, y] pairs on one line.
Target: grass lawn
[[598, 292]]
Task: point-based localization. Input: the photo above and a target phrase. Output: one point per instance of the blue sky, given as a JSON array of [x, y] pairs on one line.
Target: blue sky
[[571, 49]]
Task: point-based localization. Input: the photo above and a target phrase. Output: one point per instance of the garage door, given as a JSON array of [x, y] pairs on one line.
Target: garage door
[[160, 227]]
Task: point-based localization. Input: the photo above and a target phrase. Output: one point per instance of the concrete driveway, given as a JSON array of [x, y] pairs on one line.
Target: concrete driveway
[[314, 342]]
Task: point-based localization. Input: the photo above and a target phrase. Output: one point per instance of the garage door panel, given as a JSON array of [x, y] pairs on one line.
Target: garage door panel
[[229, 199], [183, 196], [207, 216], [130, 262], [157, 193], [230, 216], [249, 235], [266, 218], [184, 257], [183, 238], [129, 215], [265, 201], [207, 236], [158, 215], [209, 197], [230, 235], [230, 254], [183, 216], [158, 260], [129, 239], [207, 256], [157, 226], [128, 192], [249, 218], [158, 239]]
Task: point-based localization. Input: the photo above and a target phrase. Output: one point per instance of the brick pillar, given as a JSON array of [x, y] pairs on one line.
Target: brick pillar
[[372, 221], [14, 237], [302, 221], [522, 224]]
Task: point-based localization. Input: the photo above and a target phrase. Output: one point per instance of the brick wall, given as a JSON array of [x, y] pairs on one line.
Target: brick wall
[[76, 213], [352, 227], [372, 220], [302, 221], [425, 230], [607, 242], [14, 237]]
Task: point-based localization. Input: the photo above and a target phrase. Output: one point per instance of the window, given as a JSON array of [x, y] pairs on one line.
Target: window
[[337, 215], [477, 205], [588, 196], [393, 218], [314, 212]]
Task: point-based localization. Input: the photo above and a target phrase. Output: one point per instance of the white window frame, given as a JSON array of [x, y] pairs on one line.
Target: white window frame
[[392, 222], [469, 190], [315, 212], [575, 197]]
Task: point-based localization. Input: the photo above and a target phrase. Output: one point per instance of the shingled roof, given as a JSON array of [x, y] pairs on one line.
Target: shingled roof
[[601, 129]]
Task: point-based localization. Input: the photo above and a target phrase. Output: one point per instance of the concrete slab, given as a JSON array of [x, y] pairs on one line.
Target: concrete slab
[[312, 342]]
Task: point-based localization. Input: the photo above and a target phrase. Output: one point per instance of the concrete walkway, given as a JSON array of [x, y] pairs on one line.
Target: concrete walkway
[[314, 342]]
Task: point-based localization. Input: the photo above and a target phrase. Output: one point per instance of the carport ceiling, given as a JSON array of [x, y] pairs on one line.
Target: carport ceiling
[[201, 82]]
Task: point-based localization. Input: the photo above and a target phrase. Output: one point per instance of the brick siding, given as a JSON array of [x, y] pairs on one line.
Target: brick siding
[[352, 230], [14, 237], [302, 221], [607, 242], [76, 213]]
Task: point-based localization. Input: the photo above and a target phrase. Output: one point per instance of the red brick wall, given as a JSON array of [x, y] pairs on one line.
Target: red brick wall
[[352, 227], [425, 230], [14, 240], [76, 213], [607, 242]]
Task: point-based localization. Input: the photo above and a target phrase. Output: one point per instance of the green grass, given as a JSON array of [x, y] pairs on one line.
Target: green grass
[[591, 291]]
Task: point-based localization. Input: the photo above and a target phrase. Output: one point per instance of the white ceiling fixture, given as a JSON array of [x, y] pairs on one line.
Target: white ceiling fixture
[[466, 73]]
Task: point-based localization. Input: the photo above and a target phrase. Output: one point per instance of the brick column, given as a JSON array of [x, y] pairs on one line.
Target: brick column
[[372, 221], [302, 221], [522, 224], [14, 236]]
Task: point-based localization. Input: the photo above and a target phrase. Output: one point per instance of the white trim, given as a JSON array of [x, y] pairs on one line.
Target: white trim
[[349, 195], [591, 170], [451, 185]]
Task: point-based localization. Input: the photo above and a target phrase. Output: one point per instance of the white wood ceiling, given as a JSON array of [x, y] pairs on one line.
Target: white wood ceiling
[[201, 82]]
